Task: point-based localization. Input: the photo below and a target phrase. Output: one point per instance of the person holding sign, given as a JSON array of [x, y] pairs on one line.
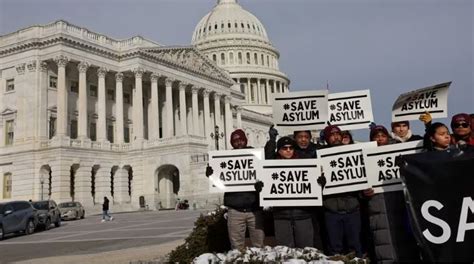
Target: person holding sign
[[243, 207], [388, 217], [461, 126], [293, 225], [437, 138], [401, 132], [342, 214]]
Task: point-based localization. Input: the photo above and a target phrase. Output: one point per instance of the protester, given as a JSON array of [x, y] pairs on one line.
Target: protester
[[437, 137], [388, 217], [105, 211], [293, 225], [462, 131], [347, 137], [243, 207], [401, 132], [342, 215]]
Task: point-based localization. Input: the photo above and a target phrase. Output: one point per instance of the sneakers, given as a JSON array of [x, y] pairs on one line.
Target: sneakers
[[111, 218], [103, 220]]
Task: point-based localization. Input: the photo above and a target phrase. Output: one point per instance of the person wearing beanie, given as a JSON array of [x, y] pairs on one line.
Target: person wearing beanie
[[347, 137], [393, 242], [244, 211], [462, 131], [342, 210], [402, 133]]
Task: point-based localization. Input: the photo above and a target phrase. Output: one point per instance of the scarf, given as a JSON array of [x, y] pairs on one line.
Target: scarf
[[402, 139]]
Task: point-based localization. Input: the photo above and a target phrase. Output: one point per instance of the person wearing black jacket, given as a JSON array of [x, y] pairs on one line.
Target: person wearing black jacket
[[243, 207], [401, 132], [105, 211], [342, 211]]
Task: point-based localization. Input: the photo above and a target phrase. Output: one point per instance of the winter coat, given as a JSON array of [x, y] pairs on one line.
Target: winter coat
[[392, 235], [105, 205], [307, 153]]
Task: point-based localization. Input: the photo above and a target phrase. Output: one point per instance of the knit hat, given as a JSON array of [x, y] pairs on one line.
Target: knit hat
[[401, 122], [462, 117], [378, 128], [283, 141], [240, 133], [331, 129], [298, 131]]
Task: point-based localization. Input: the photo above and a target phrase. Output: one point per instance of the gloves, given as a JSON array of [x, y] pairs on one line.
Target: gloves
[[273, 133], [322, 180], [258, 186], [425, 118], [209, 170]]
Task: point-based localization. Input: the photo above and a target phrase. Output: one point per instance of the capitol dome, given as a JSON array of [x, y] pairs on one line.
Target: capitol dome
[[237, 41]]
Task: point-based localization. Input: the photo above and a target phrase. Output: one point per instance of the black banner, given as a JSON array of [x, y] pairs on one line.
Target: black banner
[[440, 193]]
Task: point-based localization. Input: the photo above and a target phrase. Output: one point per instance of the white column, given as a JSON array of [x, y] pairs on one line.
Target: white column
[[101, 106], [207, 114], [228, 121], [138, 105], [217, 110], [119, 138], [182, 108], [62, 96], [239, 117], [249, 91], [155, 116], [168, 125], [268, 99], [259, 92], [43, 100], [195, 106], [82, 122]]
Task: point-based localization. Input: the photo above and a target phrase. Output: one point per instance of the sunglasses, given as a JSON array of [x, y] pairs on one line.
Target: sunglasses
[[463, 124], [287, 148]]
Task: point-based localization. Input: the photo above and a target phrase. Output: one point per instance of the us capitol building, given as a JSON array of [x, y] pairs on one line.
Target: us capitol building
[[85, 116]]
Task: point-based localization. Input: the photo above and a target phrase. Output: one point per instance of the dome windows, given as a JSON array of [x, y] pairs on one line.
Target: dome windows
[[248, 57], [222, 58], [231, 58], [240, 57]]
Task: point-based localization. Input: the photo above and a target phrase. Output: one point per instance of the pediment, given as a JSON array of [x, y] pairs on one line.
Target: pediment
[[191, 59]]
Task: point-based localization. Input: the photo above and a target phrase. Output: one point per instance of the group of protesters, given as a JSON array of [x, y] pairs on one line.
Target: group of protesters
[[371, 225]]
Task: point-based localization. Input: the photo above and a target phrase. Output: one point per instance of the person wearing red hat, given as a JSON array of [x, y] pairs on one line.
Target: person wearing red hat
[[341, 211], [462, 131], [244, 211]]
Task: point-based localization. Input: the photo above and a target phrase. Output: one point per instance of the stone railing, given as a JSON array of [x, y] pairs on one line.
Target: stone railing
[[198, 158]]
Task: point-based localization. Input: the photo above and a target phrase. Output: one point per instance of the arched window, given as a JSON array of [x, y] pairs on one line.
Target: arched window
[[231, 58], [262, 61], [222, 58], [268, 61], [229, 25], [255, 58], [214, 58], [248, 57], [240, 57]]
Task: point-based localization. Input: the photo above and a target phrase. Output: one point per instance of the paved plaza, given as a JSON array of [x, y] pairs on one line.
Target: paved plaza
[[129, 237]]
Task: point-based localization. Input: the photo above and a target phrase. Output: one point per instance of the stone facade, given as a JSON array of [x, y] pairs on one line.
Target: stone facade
[[85, 116]]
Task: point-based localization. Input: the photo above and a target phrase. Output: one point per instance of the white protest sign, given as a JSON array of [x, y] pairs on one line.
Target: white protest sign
[[382, 173], [234, 170], [432, 99], [350, 110], [305, 110], [344, 168], [291, 182]]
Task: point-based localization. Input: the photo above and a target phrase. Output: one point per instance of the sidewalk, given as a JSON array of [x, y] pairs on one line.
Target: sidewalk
[[135, 255]]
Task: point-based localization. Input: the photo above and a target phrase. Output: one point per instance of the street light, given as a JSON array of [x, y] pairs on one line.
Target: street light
[[42, 183], [216, 136]]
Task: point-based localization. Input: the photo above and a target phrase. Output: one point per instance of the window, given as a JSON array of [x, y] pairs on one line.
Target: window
[[255, 58], [214, 58], [268, 61], [231, 58], [93, 131], [262, 61], [248, 57], [52, 127], [7, 186], [10, 85], [222, 58], [73, 132], [240, 57], [222, 26], [74, 87], [53, 81], [236, 25], [111, 95], [229, 25], [126, 134], [9, 132], [110, 134], [126, 98], [93, 90]]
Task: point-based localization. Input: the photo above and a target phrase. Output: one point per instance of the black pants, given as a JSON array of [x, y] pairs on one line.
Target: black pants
[[344, 226], [294, 233]]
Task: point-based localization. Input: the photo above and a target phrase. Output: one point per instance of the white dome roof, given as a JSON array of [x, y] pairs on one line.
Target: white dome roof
[[229, 20]]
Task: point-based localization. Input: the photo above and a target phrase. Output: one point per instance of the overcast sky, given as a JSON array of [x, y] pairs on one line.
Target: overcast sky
[[389, 47]]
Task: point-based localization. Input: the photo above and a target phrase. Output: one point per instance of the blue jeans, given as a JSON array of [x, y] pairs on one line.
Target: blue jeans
[[344, 226], [105, 213]]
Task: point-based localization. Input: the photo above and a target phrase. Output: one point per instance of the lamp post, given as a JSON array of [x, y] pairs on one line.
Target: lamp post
[[216, 136], [42, 183]]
